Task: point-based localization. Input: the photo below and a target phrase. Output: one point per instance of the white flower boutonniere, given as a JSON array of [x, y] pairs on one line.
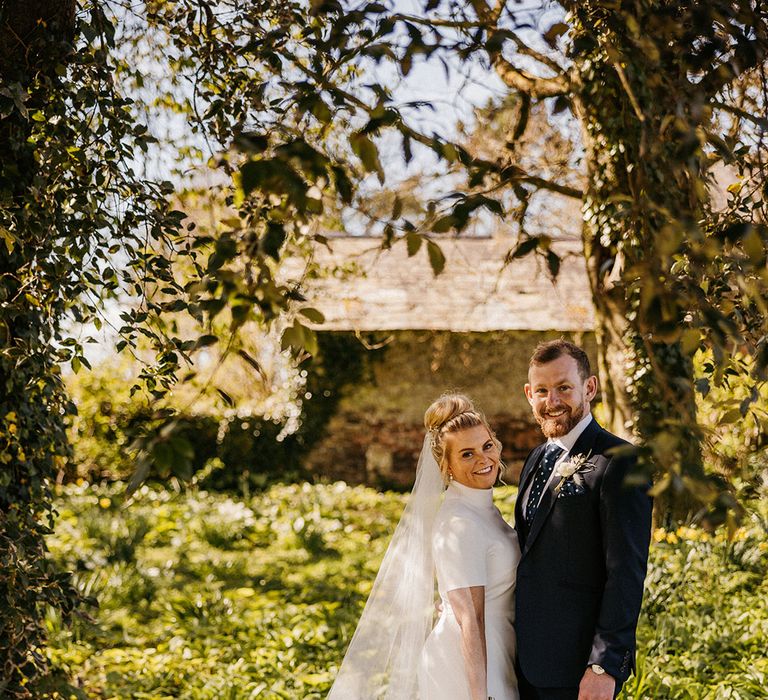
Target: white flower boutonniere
[[573, 468]]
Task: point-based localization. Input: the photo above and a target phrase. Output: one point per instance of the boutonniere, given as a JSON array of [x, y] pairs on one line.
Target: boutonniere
[[573, 468]]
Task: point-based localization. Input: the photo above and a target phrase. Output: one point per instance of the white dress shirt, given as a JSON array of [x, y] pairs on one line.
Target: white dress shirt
[[566, 442]]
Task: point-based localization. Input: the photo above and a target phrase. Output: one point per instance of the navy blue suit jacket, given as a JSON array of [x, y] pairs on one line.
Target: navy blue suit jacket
[[580, 578]]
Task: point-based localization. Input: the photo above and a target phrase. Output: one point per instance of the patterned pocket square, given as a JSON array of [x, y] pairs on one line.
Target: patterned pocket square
[[571, 488]]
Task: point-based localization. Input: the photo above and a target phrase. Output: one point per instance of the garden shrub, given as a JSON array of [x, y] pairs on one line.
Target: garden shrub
[[252, 450]]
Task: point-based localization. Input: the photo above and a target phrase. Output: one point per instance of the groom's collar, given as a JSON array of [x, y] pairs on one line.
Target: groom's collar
[[567, 441]]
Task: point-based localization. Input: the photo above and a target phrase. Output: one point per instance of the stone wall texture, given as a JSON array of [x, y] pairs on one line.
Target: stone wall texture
[[376, 434]]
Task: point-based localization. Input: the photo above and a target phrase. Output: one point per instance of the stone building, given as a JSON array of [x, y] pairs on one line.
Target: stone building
[[471, 329]]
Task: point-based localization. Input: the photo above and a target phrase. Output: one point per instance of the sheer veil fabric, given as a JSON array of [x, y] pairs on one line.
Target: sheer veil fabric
[[382, 660]]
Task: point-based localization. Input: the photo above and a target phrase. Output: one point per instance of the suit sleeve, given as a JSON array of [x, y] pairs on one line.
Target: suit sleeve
[[625, 514]]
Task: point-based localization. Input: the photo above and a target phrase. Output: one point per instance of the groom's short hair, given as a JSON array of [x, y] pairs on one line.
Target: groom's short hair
[[553, 349]]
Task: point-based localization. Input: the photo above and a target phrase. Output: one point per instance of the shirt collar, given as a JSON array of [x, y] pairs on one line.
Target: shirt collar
[[568, 440]]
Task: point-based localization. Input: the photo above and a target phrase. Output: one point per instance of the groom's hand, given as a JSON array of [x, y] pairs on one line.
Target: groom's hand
[[596, 687]]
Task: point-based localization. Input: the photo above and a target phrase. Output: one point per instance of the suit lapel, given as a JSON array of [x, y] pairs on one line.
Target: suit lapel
[[548, 498], [525, 477], [529, 468]]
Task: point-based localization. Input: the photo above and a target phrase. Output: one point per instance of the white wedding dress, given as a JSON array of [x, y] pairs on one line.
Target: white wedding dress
[[472, 546]]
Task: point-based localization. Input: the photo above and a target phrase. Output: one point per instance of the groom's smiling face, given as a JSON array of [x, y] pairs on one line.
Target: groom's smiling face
[[558, 395]]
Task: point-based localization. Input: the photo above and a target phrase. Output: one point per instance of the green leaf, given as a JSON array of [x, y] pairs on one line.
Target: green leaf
[[754, 247], [690, 340], [365, 149], [449, 152], [436, 257], [524, 247], [227, 398], [444, 223], [162, 456], [343, 184], [310, 341], [413, 241], [273, 176], [733, 415], [299, 337], [273, 240], [139, 475], [312, 314], [253, 363], [205, 340], [251, 142], [293, 337], [9, 238], [553, 263], [321, 111]]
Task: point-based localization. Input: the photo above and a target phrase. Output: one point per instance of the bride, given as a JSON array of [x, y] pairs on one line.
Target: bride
[[461, 540]]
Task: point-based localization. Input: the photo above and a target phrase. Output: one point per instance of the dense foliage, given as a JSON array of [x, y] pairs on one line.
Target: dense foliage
[[243, 449], [279, 99], [78, 225], [204, 596]]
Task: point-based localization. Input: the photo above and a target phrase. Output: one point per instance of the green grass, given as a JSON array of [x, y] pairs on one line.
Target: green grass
[[205, 596]]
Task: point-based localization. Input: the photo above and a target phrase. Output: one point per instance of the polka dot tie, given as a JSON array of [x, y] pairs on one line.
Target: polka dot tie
[[540, 479]]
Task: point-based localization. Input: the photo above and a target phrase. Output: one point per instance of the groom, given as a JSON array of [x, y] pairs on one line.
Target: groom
[[584, 531]]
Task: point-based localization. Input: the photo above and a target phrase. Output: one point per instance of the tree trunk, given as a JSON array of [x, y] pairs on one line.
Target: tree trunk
[[33, 41], [634, 183]]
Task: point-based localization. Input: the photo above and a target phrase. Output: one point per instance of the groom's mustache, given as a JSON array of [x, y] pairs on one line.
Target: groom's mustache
[[559, 410]]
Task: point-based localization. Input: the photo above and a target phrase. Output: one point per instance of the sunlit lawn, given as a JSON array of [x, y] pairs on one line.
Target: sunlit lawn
[[206, 596]]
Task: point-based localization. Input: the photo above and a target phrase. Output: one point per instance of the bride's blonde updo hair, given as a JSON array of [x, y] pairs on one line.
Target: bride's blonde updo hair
[[451, 413]]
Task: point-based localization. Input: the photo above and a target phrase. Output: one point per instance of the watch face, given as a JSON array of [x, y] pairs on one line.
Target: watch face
[[599, 670]]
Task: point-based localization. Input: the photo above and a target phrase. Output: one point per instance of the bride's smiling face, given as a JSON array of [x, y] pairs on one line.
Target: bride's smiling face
[[473, 457]]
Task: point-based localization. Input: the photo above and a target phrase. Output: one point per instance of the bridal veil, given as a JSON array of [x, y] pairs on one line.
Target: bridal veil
[[382, 660]]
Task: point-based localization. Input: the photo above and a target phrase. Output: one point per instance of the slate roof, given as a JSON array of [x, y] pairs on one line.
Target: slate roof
[[388, 291]]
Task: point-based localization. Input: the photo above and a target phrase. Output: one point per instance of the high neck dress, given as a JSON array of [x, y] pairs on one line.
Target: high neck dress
[[473, 546]]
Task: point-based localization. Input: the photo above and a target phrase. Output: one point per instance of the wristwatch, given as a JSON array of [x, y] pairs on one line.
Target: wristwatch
[[597, 669]]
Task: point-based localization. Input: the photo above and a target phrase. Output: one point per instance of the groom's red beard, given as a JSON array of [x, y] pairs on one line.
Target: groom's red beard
[[554, 427]]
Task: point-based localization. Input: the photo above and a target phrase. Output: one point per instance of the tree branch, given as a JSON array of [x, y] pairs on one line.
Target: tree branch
[[512, 76], [436, 22], [720, 76], [489, 17], [532, 85], [523, 117], [544, 184], [762, 122], [516, 174], [523, 48]]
